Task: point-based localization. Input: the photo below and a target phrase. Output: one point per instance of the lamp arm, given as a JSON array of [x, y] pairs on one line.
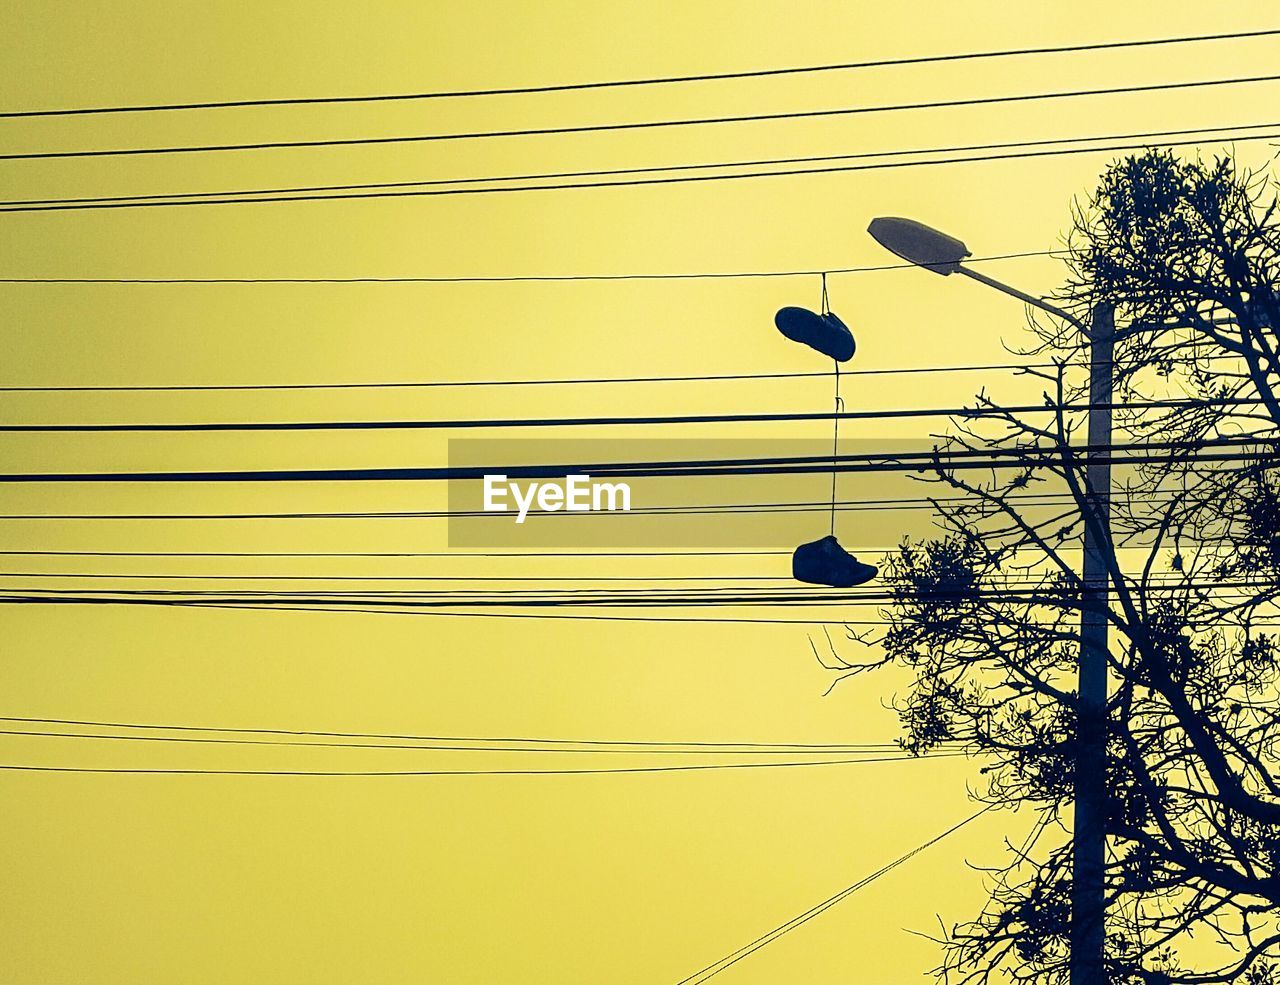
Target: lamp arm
[[1025, 298]]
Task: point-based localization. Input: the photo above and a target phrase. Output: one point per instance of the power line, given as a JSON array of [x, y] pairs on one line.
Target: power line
[[448, 578], [784, 592], [653, 80], [572, 617], [416, 384], [636, 420], [735, 581], [800, 600], [792, 594], [655, 585], [1064, 500], [546, 176], [638, 125], [599, 598], [1033, 592], [637, 182], [844, 506], [662, 597], [320, 607], [372, 554], [994, 458], [739, 590], [784, 750], [594, 590], [697, 767], [431, 383], [541, 616], [713, 969], [513, 279], [277, 194], [886, 464], [418, 737]]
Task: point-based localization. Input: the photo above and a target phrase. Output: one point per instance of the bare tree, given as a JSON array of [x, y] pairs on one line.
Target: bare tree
[[1187, 254]]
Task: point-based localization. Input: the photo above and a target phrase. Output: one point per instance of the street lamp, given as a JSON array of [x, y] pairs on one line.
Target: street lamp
[[927, 247], [919, 244]]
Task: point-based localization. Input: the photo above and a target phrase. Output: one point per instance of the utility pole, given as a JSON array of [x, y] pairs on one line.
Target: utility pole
[[1089, 835], [933, 250]]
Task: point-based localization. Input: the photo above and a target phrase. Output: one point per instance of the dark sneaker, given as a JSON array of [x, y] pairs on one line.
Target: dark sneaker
[[825, 562], [826, 333]]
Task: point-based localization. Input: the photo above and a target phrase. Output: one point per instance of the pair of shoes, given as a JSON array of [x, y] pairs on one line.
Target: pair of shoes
[[826, 333], [825, 562]]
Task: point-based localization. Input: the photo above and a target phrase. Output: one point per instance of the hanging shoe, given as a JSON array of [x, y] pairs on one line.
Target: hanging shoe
[[826, 333], [825, 562]]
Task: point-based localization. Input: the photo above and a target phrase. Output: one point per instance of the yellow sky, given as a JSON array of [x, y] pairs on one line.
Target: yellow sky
[[629, 879]]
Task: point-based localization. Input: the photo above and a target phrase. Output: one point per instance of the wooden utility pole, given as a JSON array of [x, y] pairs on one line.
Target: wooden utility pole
[[1089, 836], [934, 250]]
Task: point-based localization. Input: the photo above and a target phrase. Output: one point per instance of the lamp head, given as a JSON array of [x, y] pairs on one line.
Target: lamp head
[[919, 244]]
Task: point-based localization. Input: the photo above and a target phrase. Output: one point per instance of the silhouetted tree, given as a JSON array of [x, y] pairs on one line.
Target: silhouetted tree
[[1187, 252]]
